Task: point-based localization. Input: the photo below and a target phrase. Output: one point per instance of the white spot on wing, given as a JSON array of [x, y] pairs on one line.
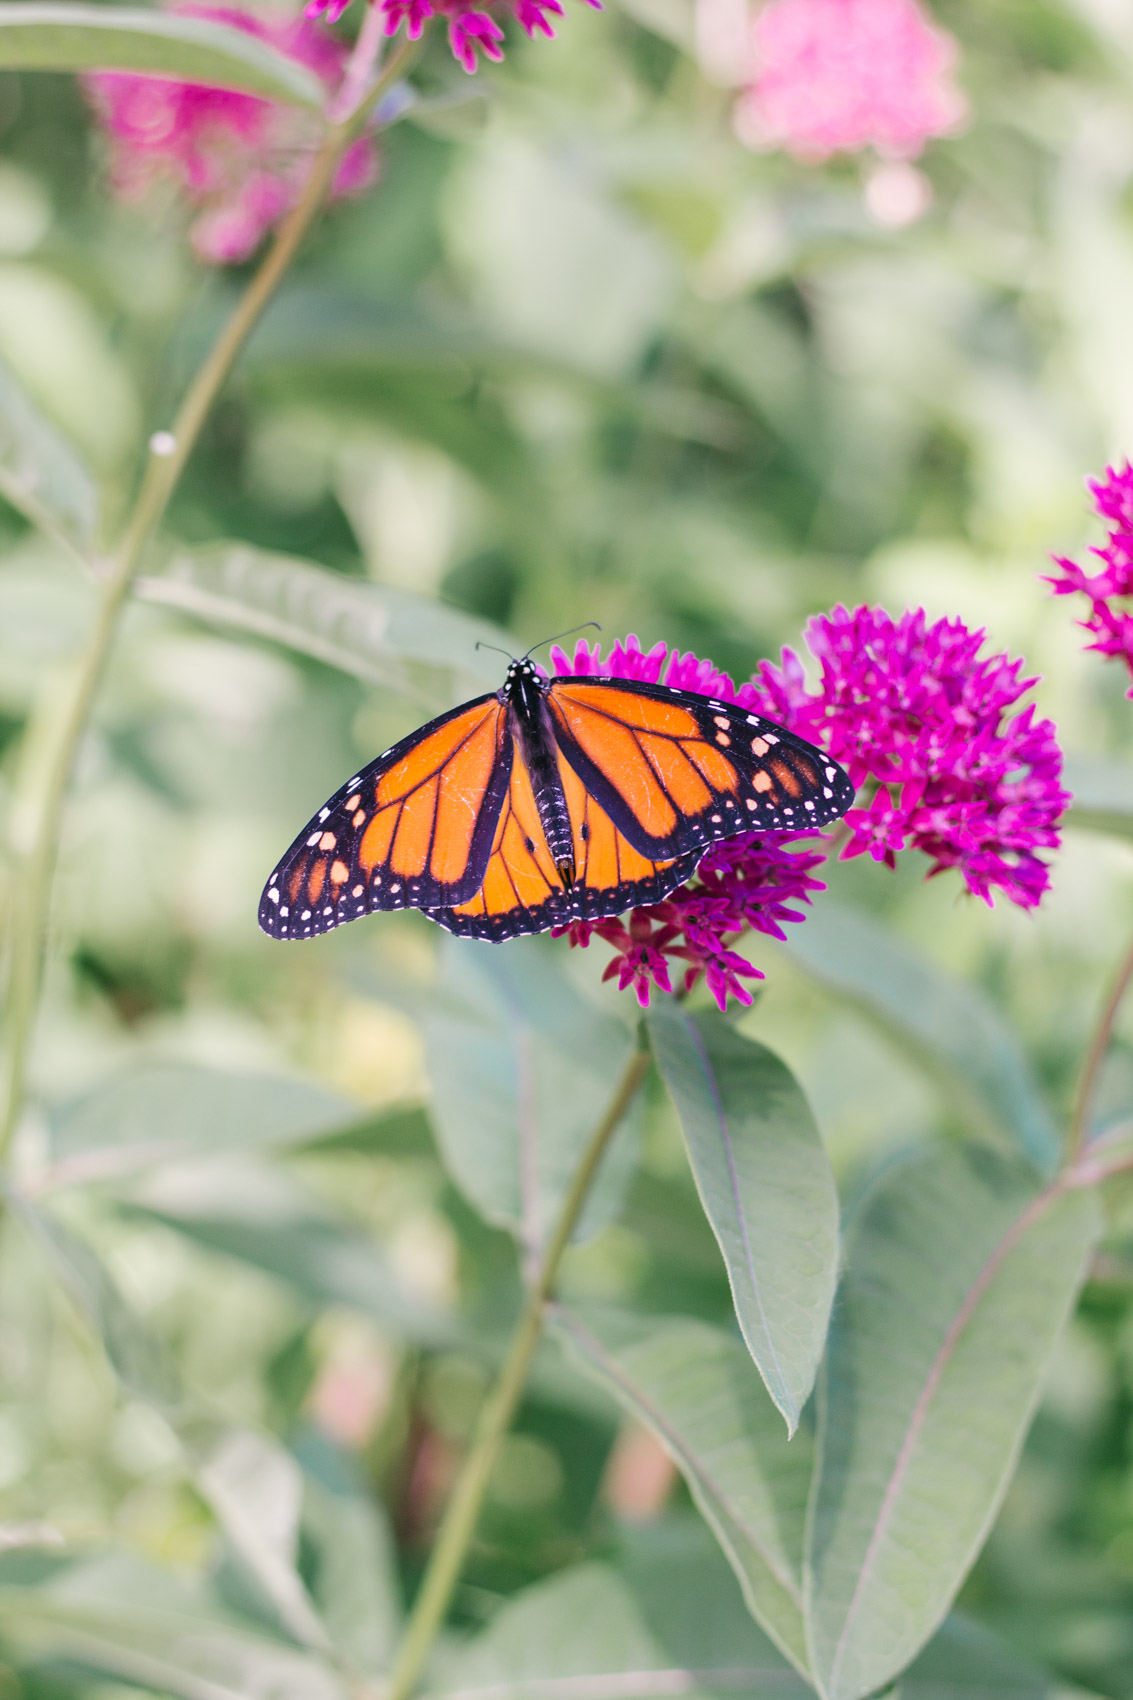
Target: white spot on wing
[[273, 895]]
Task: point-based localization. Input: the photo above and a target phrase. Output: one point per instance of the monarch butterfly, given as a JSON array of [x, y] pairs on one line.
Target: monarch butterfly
[[548, 801]]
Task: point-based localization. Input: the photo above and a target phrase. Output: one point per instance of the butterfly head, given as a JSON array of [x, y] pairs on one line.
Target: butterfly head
[[521, 675]]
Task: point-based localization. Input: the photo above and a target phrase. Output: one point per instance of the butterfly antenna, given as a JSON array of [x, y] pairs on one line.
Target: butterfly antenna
[[585, 626], [480, 644]]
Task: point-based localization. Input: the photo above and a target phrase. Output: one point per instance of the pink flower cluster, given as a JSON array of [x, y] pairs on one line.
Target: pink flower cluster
[[1110, 621], [240, 159], [471, 30], [835, 76], [918, 717], [930, 734]]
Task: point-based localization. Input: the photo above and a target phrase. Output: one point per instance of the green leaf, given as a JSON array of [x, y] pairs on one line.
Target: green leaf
[[766, 1188], [386, 637], [47, 36], [323, 1258], [965, 1662], [158, 1112], [954, 1028], [696, 1388], [512, 1107], [136, 1357], [355, 1574], [255, 1489], [1103, 795], [669, 1621], [960, 1275], [121, 1618], [40, 472]]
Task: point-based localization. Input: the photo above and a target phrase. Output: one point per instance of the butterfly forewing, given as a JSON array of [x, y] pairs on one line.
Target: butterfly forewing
[[676, 771], [413, 829]]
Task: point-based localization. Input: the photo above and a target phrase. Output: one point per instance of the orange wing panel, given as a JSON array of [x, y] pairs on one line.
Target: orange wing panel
[[414, 836], [717, 769], [680, 778], [616, 752], [463, 785], [645, 714], [430, 755], [376, 840], [520, 874], [603, 857]]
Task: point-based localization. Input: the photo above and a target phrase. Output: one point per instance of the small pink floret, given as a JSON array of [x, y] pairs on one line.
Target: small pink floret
[[240, 160], [836, 76], [470, 31]]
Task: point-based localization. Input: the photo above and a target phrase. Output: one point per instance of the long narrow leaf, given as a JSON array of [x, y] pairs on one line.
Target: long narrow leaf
[[766, 1187], [386, 637], [960, 1276], [156, 1112], [53, 35]]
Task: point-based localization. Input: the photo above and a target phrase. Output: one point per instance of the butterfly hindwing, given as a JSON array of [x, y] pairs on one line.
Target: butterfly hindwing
[[522, 892], [413, 829], [675, 771]]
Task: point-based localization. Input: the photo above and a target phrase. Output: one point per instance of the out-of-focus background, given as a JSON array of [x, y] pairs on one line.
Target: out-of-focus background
[[580, 355]]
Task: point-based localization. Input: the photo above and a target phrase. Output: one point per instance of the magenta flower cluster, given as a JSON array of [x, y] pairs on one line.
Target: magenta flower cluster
[[1108, 591], [471, 30], [240, 160], [931, 734]]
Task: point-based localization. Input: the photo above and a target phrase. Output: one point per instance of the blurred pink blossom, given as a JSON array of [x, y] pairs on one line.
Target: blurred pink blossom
[[1109, 590], [242, 160], [470, 30], [835, 76]]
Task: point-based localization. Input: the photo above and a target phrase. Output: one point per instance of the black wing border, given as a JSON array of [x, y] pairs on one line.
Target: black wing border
[[582, 903]]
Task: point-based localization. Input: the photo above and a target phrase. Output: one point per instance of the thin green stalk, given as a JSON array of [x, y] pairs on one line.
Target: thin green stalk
[[25, 502], [463, 1510], [1095, 1056], [169, 451]]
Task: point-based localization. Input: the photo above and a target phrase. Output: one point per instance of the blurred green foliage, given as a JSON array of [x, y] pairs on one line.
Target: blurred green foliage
[[578, 356]]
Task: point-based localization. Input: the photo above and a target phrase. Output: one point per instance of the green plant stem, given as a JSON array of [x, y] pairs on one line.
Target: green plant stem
[[169, 452], [463, 1510], [1095, 1056]]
